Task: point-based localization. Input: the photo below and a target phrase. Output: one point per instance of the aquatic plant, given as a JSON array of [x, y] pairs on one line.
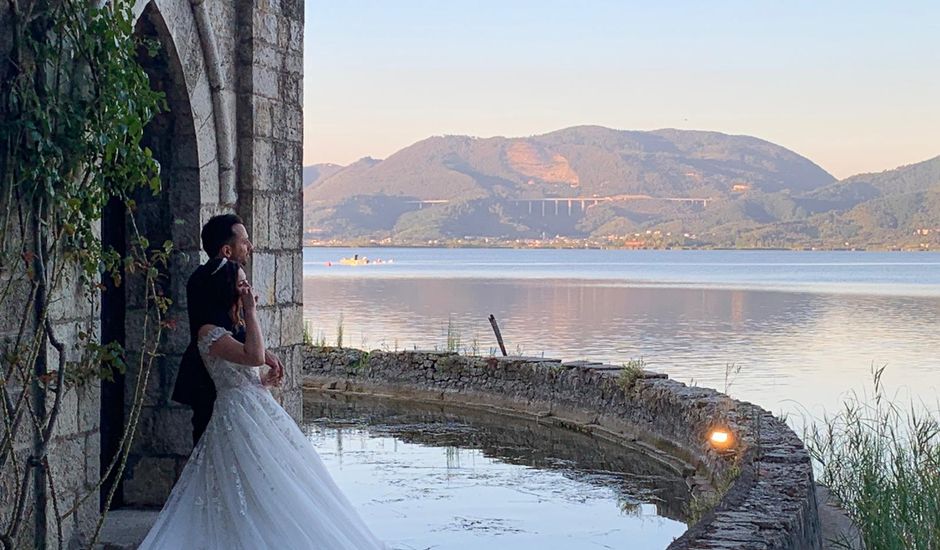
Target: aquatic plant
[[731, 373], [632, 371], [453, 336], [363, 361], [882, 464], [308, 336]]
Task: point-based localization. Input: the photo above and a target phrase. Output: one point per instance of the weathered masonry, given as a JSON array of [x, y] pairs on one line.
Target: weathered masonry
[[768, 501], [231, 141]]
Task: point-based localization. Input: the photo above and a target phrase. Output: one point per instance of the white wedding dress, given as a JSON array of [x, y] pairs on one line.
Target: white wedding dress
[[254, 481]]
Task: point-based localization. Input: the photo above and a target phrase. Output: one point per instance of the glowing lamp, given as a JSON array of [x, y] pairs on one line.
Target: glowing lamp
[[721, 439]]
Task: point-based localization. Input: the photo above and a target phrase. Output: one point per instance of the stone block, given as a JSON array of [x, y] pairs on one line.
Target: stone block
[[270, 319], [292, 401], [298, 278], [292, 10], [65, 454], [262, 114], [175, 338], [271, 6], [92, 460], [185, 225], [149, 480], [291, 88], [67, 422], [70, 301], [268, 56], [154, 392], [292, 326], [288, 128], [205, 129], [276, 222], [197, 84], [169, 431], [184, 190], [89, 407], [293, 240], [86, 519], [178, 103], [11, 311], [296, 366], [185, 154], [262, 165], [294, 124], [134, 317], [286, 223], [266, 25], [169, 369], [264, 82], [182, 264], [284, 278], [294, 63], [260, 230], [263, 277], [209, 189]]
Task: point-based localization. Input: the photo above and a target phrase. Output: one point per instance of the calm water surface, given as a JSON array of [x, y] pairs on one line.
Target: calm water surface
[[427, 477], [804, 328]]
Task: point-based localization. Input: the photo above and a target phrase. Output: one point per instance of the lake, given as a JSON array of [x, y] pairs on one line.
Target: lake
[[791, 331], [425, 476]]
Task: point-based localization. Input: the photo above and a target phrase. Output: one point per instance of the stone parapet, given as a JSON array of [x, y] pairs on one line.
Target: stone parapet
[[766, 477]]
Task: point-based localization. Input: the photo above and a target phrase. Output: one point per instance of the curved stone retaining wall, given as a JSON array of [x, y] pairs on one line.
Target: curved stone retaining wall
[[769, 502]]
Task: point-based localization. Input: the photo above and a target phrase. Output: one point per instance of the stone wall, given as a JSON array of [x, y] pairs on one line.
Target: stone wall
[[230, 142], [234, 78], [770, 503], [270, 144]]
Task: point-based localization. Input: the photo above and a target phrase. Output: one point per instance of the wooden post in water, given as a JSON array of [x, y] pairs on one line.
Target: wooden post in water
[[499, 337]]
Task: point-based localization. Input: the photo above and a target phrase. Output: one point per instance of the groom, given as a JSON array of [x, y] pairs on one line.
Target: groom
[[223, 236]]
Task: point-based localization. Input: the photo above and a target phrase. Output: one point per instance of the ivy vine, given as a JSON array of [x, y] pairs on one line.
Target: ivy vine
[[74, 103]]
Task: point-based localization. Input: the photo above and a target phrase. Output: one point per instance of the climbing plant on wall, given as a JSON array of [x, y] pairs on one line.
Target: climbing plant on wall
[[73, 106]]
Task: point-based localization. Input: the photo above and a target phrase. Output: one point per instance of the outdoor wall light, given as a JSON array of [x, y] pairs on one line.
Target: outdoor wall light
[[721, 439]]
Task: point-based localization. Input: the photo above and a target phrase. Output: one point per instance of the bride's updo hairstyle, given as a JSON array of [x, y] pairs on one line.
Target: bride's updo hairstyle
[[221, 293]]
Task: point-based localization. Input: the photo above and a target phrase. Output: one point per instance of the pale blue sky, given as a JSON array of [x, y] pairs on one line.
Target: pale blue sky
[[854, 86]]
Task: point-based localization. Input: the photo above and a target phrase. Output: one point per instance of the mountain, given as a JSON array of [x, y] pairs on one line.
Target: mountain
[[913, 178], [579, 161], [315, 173], [889, 209], [598, 183]]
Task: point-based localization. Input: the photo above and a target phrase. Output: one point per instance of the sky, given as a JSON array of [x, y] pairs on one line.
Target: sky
[[853, 86]]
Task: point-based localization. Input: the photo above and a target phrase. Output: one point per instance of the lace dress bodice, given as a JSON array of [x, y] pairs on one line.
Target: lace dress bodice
[[225, 374]]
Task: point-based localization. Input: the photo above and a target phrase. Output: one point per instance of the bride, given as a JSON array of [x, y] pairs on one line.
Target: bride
[[253, 480]]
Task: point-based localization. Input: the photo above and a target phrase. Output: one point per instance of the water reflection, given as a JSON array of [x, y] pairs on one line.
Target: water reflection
[[426, 476], [798, 352]]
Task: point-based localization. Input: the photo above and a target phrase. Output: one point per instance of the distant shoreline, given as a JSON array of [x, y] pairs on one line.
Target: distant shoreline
[[308, 243]]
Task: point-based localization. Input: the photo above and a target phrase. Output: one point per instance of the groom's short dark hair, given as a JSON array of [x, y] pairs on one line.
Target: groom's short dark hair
[[218, 232]]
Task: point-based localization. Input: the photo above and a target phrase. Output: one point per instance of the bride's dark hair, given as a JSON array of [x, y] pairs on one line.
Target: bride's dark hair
[[222, 290]]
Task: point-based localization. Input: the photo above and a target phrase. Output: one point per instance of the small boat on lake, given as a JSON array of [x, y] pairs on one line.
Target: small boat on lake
[[356, 260]]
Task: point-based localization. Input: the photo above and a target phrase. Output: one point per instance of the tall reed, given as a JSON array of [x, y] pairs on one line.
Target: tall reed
[[882, 463]]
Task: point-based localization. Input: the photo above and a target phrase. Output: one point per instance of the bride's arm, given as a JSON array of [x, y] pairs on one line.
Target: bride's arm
[[252, 351]]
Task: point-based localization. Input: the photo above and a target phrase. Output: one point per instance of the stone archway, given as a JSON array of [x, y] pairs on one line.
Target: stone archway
[[175, 214], [232, 72], [232, 76], [184, 142]]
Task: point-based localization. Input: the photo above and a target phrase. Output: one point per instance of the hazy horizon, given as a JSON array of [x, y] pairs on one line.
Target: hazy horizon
[[850, 89]]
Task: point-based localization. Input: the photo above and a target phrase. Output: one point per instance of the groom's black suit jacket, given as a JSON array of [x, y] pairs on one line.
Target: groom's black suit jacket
[[194, 386]]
